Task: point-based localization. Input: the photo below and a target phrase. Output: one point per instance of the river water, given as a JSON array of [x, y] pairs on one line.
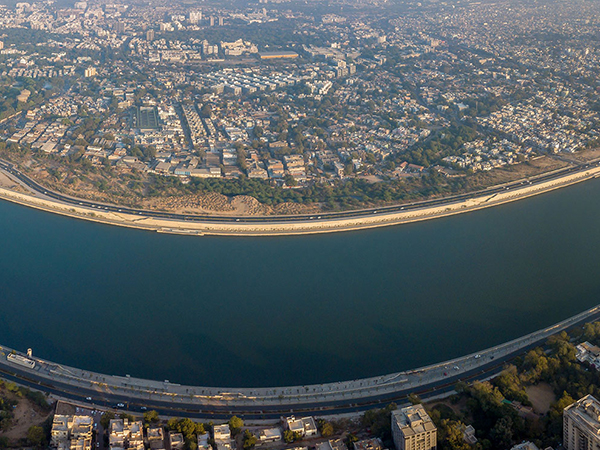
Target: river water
[[293, 310]]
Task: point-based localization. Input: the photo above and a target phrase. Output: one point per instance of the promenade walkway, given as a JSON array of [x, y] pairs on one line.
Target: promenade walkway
[[102, 387]]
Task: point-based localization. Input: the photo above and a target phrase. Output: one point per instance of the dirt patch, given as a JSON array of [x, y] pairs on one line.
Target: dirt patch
[[213, 202], [586, 155], [25, 415], [541, 396], [7, 183], [517, 172]]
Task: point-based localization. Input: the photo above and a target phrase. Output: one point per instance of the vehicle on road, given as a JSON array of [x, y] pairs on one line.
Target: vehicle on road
[[120, 405], [89, 399]]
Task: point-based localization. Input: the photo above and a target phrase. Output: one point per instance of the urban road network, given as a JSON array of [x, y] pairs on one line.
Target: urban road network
[[65, 199], [171, 399]]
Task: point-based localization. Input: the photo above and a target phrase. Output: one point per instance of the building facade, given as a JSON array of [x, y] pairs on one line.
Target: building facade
[[581, 425], [413, 429]]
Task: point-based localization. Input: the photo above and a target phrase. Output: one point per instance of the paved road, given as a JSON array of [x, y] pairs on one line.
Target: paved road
[[334, 398], [33, 185]]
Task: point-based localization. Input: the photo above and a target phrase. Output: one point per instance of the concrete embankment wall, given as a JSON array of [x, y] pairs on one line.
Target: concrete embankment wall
[[256, 398], [291, 228]]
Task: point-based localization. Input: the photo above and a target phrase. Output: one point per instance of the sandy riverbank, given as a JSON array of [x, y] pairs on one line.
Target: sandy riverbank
[[273, 228]]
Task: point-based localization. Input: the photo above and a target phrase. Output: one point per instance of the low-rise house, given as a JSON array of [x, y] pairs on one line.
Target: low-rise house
[[525, 446], [332, 444], [156, 438], [369, 444], [270, 435], [203, 442], [589, 353], [306, 426], [176, 440], [222, 437]]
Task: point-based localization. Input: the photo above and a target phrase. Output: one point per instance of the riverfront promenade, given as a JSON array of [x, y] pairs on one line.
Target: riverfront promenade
[[329, 398], [165, 222]]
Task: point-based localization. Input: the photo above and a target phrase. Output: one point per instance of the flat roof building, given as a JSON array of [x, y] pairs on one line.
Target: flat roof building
[[413, 429], [581, 424], [71, 432], [277, 55]]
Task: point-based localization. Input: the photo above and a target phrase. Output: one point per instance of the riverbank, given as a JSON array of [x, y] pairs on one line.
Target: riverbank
[[214, 402], [273, 226]]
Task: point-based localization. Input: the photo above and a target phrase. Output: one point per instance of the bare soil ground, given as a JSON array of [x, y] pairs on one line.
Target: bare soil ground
[[585, 155], [7, 183], [213, 202], [541, 396], [25, 415], [519, 171]]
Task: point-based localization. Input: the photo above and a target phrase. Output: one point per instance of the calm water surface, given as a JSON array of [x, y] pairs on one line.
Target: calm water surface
[[291, 310]]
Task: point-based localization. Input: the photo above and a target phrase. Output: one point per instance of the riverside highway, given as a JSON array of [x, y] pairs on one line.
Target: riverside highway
[[171, 399], [323, 217]]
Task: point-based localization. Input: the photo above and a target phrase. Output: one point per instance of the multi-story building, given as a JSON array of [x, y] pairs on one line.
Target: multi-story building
[[413, 429], [71, 432], [581, 424], [126, 435]]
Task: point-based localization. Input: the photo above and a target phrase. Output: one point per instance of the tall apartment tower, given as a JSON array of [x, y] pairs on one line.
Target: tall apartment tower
[[150, 35], [413, 429], [581, 424], [195, 17]]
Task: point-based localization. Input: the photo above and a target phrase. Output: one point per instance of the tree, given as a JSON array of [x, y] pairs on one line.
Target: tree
[[250, 440], [502, 433], [451, 435], [36, 436], [414, 399], [150, 417], [106, 418], [235, 425], [290, 436], [327, 429]]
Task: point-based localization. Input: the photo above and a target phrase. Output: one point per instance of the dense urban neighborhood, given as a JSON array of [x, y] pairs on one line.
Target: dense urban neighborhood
[[271, 107]]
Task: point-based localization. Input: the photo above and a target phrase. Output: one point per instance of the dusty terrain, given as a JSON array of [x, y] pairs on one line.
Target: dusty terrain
[[25, 415], [541, 396]]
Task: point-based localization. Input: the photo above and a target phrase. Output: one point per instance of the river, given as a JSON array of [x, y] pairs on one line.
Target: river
[[294, 310]]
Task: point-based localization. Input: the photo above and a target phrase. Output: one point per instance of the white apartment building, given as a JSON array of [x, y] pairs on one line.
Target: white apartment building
[[581, 424], [413, 429]]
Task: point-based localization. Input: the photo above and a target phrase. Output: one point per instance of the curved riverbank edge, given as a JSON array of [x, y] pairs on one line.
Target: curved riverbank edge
[[135, 391], [278, 228]]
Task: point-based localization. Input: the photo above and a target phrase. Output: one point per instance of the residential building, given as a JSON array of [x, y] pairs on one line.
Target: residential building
[[156, 438], [413, 429], [124, 434], [525, 446], [222, 437], [176, 440], [203, 442], [71, 432], [270, 435], [589, 353], [369, 444], [306, 426], [332, 444], [581, 424]]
